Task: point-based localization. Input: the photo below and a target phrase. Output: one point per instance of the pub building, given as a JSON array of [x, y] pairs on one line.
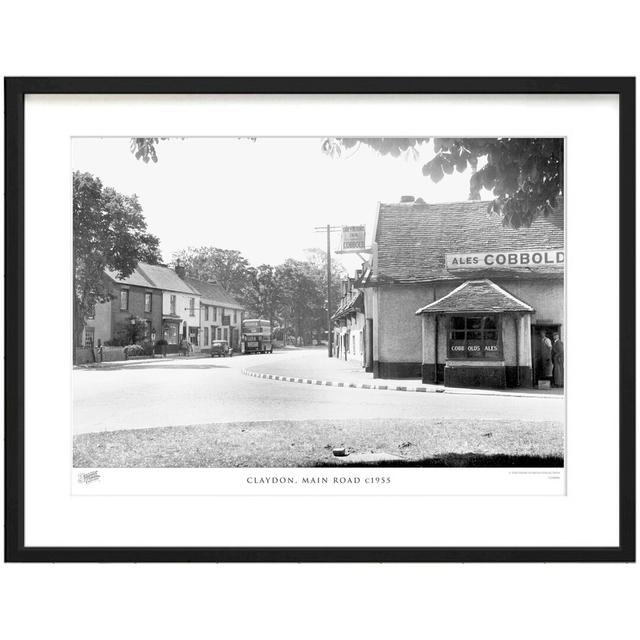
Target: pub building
[[454, 296]]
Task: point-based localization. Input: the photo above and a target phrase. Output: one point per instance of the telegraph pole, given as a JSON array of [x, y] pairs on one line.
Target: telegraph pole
[[328, 229]]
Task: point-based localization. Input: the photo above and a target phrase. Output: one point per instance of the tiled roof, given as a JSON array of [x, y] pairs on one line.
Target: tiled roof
[[413, 238], [476, 296], [165, 278], [137, 278], [350, 304], [215, 292]]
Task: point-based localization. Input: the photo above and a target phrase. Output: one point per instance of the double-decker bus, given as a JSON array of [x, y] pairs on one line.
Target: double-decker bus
[[256, 336]]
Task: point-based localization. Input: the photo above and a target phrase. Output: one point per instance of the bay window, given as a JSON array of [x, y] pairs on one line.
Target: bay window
[[474, 337]]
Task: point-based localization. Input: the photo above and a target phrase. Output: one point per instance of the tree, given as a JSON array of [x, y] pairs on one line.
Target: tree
[[109, 232], [262, 295], [301, 298], [317, 259], [228, 267], [526, 175]]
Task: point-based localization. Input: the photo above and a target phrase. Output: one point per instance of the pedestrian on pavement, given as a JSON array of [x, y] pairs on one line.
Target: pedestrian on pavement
[[558, 361], [184, 347]]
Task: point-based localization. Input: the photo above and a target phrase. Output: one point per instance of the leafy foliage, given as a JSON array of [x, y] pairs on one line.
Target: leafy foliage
[[145, 148], [134, 350], [262, 295], [292, 294], [526, 175], [109, 232], [228, 267], [302, 298]]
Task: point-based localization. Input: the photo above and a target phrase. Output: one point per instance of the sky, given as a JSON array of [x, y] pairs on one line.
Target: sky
[[262, 197]]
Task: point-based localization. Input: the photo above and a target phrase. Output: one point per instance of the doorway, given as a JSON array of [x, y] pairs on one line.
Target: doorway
[[541, 355]]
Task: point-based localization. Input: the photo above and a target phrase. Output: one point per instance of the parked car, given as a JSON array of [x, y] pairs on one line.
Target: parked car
[[221, 348]]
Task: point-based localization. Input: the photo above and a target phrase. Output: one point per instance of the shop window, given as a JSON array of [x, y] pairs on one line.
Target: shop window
[[124, 300], [474, 337], [206, 336], [147, 302], [171, 333]]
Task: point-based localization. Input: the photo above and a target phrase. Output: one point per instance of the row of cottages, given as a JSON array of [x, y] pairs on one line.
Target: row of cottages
[[156, 302], [453, 296], [349, 321], [220, 314]]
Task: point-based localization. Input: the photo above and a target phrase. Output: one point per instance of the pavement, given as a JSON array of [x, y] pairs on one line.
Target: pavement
[[199, 390], [314, 367]]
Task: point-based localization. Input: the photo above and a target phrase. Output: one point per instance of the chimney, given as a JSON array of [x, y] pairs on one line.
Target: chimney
[[181, 272], [406, 199]]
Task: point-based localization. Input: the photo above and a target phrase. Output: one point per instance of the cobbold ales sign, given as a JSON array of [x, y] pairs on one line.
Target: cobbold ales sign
[[352, 239], [529, 260]]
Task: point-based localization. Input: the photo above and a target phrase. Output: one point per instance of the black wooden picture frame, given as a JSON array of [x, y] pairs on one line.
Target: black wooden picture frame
[[15, 91]]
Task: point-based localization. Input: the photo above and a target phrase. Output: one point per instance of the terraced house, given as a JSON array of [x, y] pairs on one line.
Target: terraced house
[[133, 314], [454, 296], [180, 306], [220, 314], [153, 303], [349, 321]]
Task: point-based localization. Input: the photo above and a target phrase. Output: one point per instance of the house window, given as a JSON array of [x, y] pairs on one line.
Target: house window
[[235, 317], [91, 311], [147, 302], [192, 306], [124, 299], [474, 337], [172, 305], [218, 333], [206, 336], [225, 334], [215, 314], [206, 312]]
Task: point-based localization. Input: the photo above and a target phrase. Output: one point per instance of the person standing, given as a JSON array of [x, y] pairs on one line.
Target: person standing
[[558, 361], [546, 350]]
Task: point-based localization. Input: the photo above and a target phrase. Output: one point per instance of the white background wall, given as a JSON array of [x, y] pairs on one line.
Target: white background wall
[[271, 601]]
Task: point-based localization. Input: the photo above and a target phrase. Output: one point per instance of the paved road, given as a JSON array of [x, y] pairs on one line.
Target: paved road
[[186, 391]]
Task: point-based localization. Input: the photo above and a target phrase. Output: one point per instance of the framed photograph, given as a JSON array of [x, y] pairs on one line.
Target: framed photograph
[[320, 319]]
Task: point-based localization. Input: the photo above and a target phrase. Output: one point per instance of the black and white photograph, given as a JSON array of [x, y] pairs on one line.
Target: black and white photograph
[[366, 313], [270, 303]]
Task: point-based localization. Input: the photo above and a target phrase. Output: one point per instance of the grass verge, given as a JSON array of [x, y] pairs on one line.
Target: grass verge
[[310, 443]]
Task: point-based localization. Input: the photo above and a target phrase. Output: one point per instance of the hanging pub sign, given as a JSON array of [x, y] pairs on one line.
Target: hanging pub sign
[[352, 239], [528, 260]]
